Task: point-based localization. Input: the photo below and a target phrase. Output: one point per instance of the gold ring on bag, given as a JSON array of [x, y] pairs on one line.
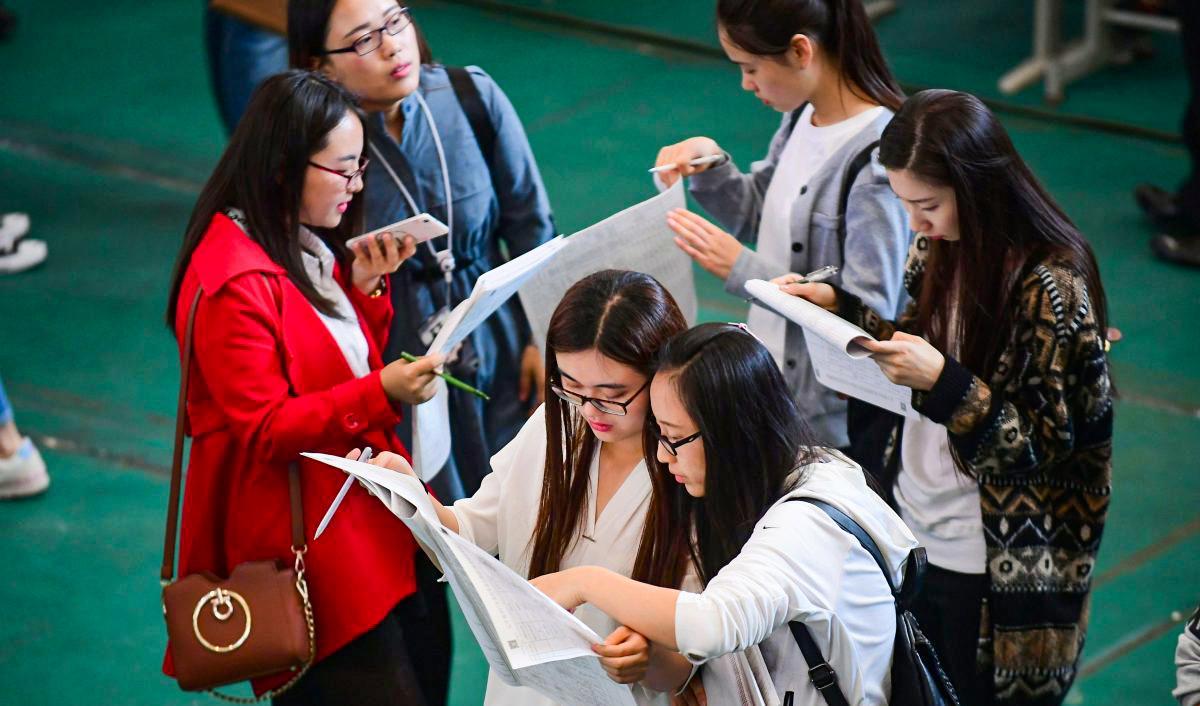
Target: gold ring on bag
[[219, 598]]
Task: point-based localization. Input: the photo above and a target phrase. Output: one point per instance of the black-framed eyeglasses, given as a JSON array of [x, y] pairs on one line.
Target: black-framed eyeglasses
[[619, 409], [672, 447], [350, 177], [373, 39]]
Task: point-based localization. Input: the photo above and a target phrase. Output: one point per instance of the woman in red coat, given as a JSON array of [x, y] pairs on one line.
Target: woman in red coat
[[286, 359]]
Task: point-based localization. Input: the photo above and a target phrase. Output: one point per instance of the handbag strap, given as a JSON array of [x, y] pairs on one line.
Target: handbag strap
[[297, 509]]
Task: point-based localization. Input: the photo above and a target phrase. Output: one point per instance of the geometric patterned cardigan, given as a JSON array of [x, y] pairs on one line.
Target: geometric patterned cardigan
[[1038, 437]]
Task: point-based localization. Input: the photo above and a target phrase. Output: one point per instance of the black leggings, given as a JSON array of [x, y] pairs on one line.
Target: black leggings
[[949, 608], [403, 661]]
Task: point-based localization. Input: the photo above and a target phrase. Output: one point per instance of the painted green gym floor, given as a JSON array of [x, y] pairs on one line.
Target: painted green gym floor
[[107, 128]]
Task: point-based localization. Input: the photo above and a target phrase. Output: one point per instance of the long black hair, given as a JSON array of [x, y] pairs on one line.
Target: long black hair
[[841, 27], [754, 437], [1007, 225], [262, 173], [625, 316], [308, 27]]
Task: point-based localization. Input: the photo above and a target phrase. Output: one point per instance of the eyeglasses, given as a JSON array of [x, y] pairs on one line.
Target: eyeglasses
[[357, 173], [373, 39], [672, 447], [619, 409]]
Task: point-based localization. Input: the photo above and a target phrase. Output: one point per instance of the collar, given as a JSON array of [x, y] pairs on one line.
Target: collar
[[227, 252]]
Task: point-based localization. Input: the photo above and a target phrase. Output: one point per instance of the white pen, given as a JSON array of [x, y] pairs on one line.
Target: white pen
[[697, 162], [819, 275], [363, 458]]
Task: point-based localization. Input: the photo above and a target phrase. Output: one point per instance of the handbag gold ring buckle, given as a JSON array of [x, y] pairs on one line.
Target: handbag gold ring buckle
[[221, 601]]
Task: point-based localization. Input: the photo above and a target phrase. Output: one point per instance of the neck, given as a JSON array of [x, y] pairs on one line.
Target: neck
[[626, 452], [836, 99]]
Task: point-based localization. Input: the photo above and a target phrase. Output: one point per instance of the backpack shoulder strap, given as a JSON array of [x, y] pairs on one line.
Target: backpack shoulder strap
[[794, 117], [822, 675], [861, 160], [476, 111]]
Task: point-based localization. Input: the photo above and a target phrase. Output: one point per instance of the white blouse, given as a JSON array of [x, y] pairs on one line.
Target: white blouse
[[501, 516], [799, 565]]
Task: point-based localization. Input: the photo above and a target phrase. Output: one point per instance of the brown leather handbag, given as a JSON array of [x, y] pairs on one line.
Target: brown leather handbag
[[256, 622]]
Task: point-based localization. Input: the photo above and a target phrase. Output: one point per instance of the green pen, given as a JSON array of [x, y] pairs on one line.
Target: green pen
[[451, 380]]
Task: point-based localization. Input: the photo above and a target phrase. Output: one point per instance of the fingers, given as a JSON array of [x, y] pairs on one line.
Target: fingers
[[391, 250], [408, 247], [392, 462], [427, 365], [353, 454], [789, 278]]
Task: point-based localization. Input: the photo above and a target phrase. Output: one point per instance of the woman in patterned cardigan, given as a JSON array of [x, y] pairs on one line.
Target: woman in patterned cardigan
[[1006, 475]]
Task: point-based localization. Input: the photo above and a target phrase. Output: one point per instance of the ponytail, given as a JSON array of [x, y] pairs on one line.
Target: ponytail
[[841, 27]]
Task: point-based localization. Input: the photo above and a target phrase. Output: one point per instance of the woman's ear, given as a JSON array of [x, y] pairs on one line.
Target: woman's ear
[[324, 66], [802, 50]]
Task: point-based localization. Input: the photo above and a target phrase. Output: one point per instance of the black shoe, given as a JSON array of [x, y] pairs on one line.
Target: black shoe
[[1160, 205], [1182, 250], [8, 22]]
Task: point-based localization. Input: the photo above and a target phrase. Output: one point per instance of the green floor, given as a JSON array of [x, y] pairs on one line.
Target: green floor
[[107, 127]]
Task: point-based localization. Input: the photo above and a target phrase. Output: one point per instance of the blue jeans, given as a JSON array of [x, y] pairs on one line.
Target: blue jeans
[[6, 411], [240, 56]]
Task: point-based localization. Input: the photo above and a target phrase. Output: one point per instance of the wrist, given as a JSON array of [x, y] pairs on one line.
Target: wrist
[[373, 286]]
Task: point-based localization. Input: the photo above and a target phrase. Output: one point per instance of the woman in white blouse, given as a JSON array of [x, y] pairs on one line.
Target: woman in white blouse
[[572, 489], [730, 435]]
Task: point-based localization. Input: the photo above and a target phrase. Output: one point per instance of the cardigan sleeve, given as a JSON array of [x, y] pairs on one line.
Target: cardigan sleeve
[[1058, 396], [852, 308], [238, 351]]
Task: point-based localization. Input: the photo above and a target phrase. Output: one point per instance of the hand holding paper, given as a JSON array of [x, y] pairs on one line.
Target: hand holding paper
[[908, 360]]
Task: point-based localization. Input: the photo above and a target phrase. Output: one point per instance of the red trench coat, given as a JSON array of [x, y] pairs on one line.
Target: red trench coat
[[269, 381]]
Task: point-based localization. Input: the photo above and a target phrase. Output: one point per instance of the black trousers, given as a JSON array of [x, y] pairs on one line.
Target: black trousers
[[1189, 192], [948, 609], [403, 661]]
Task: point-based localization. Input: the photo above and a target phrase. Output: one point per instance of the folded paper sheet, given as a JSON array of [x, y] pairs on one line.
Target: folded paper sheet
[[839, 361], [527, 638]]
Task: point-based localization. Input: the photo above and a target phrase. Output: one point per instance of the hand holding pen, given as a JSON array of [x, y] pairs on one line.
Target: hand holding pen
[[811, 287], [686, 158]]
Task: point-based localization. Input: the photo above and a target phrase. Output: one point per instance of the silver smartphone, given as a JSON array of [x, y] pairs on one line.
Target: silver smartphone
[[421, 227]]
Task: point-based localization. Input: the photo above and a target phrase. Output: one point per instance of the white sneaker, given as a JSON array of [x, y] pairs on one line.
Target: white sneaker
[[24, 473], [18, 253]]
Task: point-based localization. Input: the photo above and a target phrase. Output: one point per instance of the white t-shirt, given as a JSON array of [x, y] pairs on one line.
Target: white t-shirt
[[800, 565], [939, 504], [803, 156], [501, 516]]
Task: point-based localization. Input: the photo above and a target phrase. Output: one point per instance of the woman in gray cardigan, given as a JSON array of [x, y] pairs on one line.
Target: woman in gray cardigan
[[820, 197]]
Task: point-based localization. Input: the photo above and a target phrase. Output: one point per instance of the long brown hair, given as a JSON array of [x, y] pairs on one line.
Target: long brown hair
[[1007, 223], [626, 317], [841, 27], [262, 173]]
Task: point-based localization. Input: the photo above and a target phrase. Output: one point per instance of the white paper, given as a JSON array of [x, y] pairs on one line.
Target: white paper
[[492, 289], [527, 638], [431, 433], [839, 360], [635, 239]]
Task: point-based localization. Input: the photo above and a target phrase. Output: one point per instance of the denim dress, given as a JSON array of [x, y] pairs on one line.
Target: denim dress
[[497, 214]]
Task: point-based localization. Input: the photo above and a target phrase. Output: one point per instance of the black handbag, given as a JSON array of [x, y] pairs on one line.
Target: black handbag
[[917, 676]]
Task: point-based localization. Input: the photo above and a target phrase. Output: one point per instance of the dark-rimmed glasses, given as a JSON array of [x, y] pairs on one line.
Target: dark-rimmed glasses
[[362, 169], [672, 447], [619, 409], [373, 39]]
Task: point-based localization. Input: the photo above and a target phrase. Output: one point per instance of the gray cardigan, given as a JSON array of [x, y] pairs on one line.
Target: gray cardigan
[[877, 239]]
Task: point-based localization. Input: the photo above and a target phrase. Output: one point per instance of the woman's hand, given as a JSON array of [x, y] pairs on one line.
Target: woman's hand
[[393, 462], [680, 153], [563, 587], [376, 257], [692, 695], [711, 248], [411, 383], [818, 293], [625, 655], [907, 360], [533, 377]]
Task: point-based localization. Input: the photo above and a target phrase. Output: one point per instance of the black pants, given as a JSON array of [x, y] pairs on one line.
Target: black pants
[[403, 661], [1189, 192], [948, 609]]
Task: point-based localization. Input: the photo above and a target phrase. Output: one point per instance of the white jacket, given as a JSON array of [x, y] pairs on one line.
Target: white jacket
[[799, 565]]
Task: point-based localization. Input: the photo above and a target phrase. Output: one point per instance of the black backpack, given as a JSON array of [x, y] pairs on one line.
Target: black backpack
[[917, 677]]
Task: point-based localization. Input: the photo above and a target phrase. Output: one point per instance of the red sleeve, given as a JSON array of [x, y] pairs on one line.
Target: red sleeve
[[375, 312], [237, 348]]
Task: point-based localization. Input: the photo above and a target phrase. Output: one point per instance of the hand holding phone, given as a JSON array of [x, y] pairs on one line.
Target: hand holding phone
[[421, 227]]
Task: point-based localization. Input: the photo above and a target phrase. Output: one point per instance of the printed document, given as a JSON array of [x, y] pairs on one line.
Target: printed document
[[839, 361], [526, 637], [635, 239]]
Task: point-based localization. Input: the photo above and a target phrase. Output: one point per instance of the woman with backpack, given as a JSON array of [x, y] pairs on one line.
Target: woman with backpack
[[730, 437], [819, 197], [1006, 476]]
